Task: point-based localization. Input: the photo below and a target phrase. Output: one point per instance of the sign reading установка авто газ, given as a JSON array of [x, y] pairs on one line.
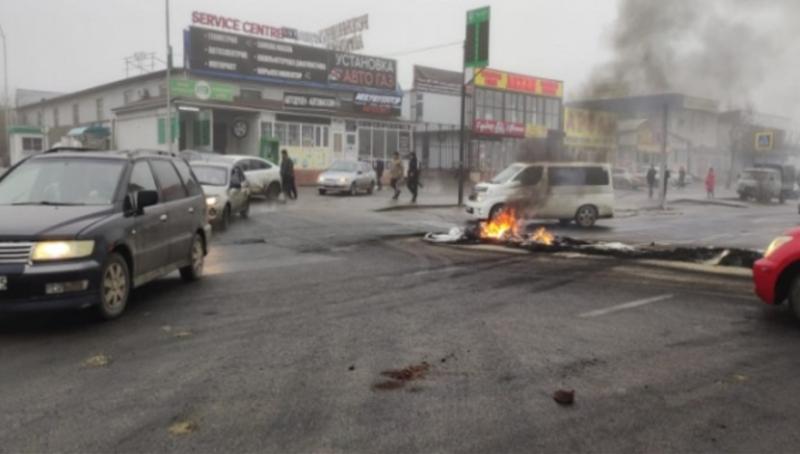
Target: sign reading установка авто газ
[[249, 57]]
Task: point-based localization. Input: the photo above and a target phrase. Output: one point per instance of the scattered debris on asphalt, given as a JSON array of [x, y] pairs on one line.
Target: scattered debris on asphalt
[[399, 377], [182, 428], [100, 360], [538, 239], [564, 397], [351, 368]]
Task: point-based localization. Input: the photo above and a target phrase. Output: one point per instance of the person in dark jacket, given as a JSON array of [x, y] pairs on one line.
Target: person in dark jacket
[[287, 176], [413, 177], [379, 173], [651, 179]]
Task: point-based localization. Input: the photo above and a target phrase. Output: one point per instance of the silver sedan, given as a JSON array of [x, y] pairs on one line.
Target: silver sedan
[[349, 177]]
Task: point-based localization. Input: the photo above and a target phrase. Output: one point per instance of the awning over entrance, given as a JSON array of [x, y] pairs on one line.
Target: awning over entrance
[[96, 131]]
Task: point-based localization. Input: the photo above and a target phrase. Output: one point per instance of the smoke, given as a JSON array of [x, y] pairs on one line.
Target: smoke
[[742, 53]]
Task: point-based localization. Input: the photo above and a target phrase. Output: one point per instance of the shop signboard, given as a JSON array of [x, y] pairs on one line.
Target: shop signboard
[[501, 80], [432, 80], [590, 128], [202, 90], [310, 102], [534, 131], [255, 58], [476, 47], [498, 128], [388, 105]]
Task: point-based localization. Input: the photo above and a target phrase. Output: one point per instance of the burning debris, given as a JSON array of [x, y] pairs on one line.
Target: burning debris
[[506, 226]]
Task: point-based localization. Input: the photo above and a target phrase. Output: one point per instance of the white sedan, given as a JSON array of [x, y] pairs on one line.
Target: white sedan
[[264, 176]]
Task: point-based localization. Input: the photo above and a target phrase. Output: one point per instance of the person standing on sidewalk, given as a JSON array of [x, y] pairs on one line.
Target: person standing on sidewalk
[[396, 174], [379, 173], [711, 183], [413, 177], [287, 176], [667, 174], [651, 179], [681, 177]]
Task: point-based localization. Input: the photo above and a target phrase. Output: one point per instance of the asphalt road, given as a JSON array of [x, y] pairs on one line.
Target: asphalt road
[[308, 310]]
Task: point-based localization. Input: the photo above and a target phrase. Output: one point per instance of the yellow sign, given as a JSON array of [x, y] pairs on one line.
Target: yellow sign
[[501, 80], [764, 141], [534, 131], [590, 128]]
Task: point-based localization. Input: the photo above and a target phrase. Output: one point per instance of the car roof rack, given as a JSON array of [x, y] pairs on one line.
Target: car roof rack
[[60, 149]]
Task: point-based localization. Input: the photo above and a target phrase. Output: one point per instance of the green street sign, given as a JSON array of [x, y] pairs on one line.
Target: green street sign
[[476, 48], [202, 90]]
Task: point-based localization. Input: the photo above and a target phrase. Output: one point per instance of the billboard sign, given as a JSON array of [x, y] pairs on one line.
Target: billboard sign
[[501, 80], [202, 90], [238, 55], [377, 104], [310, 102], [498, 128]]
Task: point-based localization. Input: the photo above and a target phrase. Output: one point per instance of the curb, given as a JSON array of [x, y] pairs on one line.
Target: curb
[[725, 271], [712, 202], [416, 207]]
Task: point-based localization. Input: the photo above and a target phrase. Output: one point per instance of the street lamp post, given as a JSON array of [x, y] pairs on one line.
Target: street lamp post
[[168, 125], [6, 117]]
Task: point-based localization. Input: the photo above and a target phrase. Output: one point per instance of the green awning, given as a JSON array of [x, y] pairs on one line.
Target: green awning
[[97, 131]]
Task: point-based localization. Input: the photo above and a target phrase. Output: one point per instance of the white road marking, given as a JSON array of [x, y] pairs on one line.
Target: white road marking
[[621, 307]]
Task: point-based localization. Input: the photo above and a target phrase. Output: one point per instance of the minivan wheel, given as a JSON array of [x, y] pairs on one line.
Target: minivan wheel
[[197, 255], [115, 287], [586, 216], [496, 210]]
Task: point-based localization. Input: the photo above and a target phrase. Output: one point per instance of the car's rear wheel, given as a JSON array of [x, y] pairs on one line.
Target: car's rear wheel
[[496, 210], [586, 216], [115, 287], [197, 256], [273, 191]]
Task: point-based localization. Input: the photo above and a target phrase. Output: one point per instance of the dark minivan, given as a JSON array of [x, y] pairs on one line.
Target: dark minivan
[[82, 228]]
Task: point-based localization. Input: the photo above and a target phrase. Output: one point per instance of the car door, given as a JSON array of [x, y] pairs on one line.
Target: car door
[[194, 207], [150, 244], [259, 174], [364, 177], [530, 193], [177, 204]]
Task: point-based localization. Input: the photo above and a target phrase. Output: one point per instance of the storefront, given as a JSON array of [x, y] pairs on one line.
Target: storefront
[[590, 135]]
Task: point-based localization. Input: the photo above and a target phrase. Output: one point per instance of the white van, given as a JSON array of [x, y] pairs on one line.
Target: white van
[[565, 191]]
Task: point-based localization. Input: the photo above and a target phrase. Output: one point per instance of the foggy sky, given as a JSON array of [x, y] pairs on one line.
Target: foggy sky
[[66, 45]]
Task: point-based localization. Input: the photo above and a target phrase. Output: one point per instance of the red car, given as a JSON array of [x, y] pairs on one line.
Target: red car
[[777, 275]]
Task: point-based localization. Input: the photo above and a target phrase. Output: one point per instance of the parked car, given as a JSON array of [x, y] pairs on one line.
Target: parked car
[[582, 192], [264, 176], [777, 274], [347, 176], [624, 179], [227, 191], [788, 176], [762, 184], [82, 229]]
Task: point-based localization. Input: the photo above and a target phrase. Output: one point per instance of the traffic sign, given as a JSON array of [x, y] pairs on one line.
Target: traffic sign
[[476, 48]]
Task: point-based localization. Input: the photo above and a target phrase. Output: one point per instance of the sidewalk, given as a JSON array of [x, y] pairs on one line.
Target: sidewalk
[[695, 194]]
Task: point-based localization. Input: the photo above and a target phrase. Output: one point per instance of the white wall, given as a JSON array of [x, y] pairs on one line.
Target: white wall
[[138, 132], [442, 109]]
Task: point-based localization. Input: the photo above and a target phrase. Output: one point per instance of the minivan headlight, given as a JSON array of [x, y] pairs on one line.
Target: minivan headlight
[[211, 201], [61, 250]]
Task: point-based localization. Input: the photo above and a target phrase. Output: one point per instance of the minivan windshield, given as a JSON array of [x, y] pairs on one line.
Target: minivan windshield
[[62, 181], [506, 175], [344, 166], [211, 175]]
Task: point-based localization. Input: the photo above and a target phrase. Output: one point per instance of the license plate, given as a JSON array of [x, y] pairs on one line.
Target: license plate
[[3, 283]]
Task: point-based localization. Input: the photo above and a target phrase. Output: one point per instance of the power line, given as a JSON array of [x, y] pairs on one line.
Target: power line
[[423, 49]]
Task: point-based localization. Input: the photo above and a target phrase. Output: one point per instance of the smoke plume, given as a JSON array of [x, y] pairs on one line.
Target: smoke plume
[[742, 53]]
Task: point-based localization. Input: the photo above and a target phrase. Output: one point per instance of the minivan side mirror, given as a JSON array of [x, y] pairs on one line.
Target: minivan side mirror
[[145, 199]]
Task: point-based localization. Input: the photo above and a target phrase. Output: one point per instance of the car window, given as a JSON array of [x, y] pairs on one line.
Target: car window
[[141, 178], [577, 176], [257, 164], [189, 180], [211, 175], [244, 164], [530, 176], [169, 181], [507, 174], [237, 177]]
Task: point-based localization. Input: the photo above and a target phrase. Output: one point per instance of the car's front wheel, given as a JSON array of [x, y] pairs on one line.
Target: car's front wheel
[[586, 216], [194, 270], [115, 287]]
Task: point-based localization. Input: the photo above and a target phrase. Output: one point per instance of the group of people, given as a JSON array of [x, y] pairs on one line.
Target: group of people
[[396, 175], [711, 181]]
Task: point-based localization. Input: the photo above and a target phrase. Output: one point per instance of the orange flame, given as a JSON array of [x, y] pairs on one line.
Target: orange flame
[[543, 236], [501, 227]]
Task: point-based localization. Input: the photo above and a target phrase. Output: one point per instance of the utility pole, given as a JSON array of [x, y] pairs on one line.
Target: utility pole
[[461, 133], [664, 182], [7, 116], [168, 126]]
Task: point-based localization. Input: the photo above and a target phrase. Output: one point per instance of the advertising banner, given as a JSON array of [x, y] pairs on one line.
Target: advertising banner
[[498, 128], [501, 80], [590, 128], [202, 90], [432, 80], [310, 102], [251, 57], [377, 104]]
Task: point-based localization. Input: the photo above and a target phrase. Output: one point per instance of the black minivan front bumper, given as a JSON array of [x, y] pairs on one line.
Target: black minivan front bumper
[[36, 287]]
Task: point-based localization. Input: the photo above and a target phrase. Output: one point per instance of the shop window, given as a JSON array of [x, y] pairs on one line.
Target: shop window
[[392, 143], [266, 129], [419, 106], [294, 135], [318, 132], [379, 143], [325, 132], [364, 142], [31, 144], [281, 133], [337, 142], [308, 135]]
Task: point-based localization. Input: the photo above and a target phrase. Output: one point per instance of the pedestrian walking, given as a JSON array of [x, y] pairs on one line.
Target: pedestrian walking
[[413, 177], [651, 179], [711, 183], [287, 176], [667, 174], [681, 177], [379, 173], [396, 174]]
